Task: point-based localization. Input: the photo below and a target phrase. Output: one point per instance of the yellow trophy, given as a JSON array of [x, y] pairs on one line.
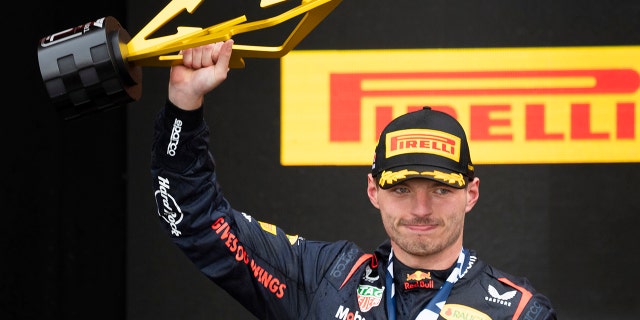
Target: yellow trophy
[[98, 65]]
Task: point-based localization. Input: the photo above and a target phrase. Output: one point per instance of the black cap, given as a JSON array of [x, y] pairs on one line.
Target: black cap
[[423, 144]]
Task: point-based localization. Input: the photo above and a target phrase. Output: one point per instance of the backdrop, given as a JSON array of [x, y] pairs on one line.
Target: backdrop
[[82, 238], [567, 227]]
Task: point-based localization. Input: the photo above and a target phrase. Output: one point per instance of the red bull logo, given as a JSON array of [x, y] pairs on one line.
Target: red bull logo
[[418, 275], [417, 279]]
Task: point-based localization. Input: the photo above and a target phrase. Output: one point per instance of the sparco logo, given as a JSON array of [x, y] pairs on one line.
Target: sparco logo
[[168, 209], [175, 137], [341, 263]]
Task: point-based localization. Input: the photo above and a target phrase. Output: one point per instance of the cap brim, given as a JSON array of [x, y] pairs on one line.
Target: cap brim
[[393, 176]]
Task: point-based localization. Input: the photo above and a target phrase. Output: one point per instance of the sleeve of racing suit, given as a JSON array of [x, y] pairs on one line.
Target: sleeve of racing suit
[[255, 262]]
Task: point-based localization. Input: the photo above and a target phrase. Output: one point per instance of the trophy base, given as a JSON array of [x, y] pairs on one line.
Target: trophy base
[[84, 69]]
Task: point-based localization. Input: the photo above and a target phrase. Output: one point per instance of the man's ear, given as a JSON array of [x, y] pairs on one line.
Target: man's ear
[[372, 190], [473, 193]]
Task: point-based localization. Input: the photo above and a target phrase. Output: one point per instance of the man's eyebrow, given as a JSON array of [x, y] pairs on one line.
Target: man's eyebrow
[[430, 182]]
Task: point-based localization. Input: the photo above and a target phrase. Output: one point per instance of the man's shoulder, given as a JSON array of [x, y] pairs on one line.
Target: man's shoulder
[[506, 292]]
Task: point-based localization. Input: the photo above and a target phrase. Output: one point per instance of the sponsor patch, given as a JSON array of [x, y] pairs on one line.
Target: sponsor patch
[[423, 141], [168, 208], [272, 283], [344, 313], [369, 297], [461, 312], [268, 227], [500, 298], [418, 280]]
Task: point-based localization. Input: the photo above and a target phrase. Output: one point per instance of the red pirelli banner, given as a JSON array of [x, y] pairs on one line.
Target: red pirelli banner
[[517, 105]]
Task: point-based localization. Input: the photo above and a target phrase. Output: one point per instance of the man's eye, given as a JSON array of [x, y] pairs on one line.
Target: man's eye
[[400, 190], [442, 191]]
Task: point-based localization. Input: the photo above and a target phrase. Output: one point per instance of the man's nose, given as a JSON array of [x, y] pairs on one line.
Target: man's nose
[[423, 204]]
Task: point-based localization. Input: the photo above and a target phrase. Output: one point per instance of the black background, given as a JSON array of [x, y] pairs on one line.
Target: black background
[[81, 238]]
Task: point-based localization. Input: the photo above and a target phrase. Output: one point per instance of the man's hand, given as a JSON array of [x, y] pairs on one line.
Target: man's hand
[[203, 68]]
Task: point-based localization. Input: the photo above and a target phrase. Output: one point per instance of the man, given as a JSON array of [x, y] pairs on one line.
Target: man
[[422, 181]]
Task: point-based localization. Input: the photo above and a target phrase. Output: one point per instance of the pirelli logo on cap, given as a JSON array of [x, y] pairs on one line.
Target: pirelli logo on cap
[[422, 141], [517, 105]]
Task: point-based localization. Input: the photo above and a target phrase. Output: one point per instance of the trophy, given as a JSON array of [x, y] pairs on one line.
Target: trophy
[[98, 65]]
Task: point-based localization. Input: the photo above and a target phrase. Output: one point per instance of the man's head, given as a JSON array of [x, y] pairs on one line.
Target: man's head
[[423, 144], [423, 183]]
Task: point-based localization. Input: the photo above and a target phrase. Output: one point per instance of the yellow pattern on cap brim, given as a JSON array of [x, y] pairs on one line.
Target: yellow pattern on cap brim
[[390, 177]]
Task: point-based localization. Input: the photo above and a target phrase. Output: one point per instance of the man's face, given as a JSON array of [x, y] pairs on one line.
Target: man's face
[[424, 218]]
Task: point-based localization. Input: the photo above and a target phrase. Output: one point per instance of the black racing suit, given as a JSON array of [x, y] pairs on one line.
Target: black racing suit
[[280, 276]]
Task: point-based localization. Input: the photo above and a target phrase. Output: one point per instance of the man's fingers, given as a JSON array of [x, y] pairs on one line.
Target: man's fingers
[[218, 54], [198, 55], [187, 57], [224, 55]]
